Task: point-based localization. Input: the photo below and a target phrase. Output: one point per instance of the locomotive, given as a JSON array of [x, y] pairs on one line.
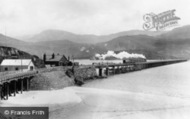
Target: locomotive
[[133, 60]]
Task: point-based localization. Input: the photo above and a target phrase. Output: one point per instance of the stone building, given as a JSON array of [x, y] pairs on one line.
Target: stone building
[[56, 60]]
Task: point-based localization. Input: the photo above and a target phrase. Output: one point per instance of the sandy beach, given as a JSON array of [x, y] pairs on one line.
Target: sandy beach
[[157, 93]]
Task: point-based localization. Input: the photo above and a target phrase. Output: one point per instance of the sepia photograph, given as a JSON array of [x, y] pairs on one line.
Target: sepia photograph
[[94, 59]]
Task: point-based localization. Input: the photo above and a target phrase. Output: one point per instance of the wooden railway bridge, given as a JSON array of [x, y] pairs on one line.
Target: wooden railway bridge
[[105, 70], [14, 82]]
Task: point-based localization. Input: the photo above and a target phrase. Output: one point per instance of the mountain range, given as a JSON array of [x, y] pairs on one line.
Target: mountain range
[[55, 35], [153, 44]]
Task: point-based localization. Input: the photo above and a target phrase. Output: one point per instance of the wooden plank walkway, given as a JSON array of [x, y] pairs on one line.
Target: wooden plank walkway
[[10, 76]]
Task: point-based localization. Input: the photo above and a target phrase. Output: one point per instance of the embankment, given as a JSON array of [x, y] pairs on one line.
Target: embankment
[[83, 73], [61, 77], [51, 79]]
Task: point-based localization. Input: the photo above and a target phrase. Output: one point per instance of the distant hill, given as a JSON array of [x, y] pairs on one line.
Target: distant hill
[[133, 33], [134, 44], [177, 33], [130, 43], [8, 41], [55, 35], [69, 48], [12, 42], [63, 47], [13, 48], [171, 44]]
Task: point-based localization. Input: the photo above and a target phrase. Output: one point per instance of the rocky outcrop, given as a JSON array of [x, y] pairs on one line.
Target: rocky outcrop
[[82, 73], [13, 53], [9, 52]]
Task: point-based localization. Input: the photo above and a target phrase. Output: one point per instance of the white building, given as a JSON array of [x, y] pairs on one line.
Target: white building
[[17, 64]]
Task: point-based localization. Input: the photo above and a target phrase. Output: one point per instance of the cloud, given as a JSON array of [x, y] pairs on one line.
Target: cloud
[[22, 17]]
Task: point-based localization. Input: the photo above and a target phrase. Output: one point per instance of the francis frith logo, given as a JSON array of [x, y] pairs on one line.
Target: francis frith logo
[[160, 21]]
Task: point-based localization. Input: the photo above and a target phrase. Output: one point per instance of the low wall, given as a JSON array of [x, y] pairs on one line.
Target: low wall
[[84, 73]]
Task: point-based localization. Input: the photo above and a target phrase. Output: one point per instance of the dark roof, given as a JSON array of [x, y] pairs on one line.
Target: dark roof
[[56, 58]]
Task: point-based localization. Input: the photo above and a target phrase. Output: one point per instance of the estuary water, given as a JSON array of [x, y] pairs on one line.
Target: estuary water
[[156, 93]]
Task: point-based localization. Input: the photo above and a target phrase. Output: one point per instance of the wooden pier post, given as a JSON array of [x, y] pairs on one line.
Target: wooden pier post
[[10, 89], [21, 81], [7, 91], [113, 70], [1, 87], [125, 69], [15, 88], [3, 92], [122, 69], [107, 71], [27, 84], [119, 69], [100, 72], [116, 70]]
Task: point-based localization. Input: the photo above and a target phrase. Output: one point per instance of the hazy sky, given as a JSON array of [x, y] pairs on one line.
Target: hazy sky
[[25, 17]]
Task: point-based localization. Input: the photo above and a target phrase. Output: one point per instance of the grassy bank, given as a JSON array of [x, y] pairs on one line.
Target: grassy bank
[[56, 79]]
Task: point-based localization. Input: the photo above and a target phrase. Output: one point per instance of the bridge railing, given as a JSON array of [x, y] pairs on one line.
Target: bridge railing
[[9, 72], [13, 75], [16, 74]]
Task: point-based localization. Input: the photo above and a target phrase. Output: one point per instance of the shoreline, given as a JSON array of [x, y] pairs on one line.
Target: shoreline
[[151, 93], [85, 103]]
